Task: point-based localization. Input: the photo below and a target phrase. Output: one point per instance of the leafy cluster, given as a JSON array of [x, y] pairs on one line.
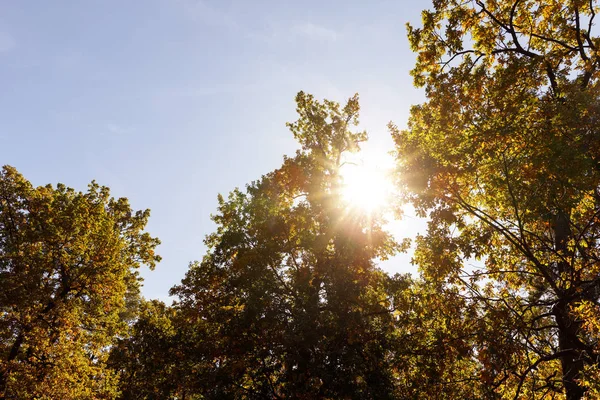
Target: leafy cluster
[[68, 263], [504, 157]]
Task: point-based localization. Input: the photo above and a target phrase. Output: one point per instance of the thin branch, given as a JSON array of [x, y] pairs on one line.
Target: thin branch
[[578, 35], [588, 34], [535, 365], [514, 33], [511, 237]]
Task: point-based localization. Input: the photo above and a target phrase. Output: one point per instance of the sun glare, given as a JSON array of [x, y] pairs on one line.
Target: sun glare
[[366, 183]]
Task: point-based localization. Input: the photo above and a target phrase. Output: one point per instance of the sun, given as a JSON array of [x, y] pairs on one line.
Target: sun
[[366, 183]]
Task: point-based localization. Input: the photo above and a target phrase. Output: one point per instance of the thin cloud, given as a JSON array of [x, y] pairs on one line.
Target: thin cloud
[[201, 11], [117, 129], [194, 92], [7, 43], [316, 32]]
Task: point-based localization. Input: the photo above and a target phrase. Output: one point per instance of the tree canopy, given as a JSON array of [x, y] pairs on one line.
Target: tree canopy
[[289, 292], [504, 159], [68, 264]]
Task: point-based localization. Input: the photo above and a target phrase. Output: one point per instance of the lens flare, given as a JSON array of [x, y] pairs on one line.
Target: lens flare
[[366, 185]]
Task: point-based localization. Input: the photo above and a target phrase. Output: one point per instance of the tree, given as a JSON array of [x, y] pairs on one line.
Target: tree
[[504, 157], [68, 263], [148, 358], [288, 298]]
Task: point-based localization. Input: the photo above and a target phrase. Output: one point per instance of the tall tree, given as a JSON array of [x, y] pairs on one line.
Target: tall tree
[[68, 262], [504, 156], [288, 297], [148, 359]]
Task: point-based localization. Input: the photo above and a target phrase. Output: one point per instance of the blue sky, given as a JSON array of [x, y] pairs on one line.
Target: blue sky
[[169, 102]]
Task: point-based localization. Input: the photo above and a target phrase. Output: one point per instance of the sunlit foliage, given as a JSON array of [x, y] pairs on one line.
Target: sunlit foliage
[[288, 292], [504, 157], [68, 262]]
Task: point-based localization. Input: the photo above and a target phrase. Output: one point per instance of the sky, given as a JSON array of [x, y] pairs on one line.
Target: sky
[[170, 102]]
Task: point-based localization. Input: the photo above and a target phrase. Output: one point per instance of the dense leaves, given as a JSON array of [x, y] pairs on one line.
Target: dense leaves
[[504, 158], [146, 360], [288, 292], [68, 263]]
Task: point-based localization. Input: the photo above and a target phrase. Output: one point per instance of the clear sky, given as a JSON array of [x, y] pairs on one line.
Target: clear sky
[[169, 102]]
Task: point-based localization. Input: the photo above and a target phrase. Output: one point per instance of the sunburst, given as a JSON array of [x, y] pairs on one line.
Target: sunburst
[[366, 183]]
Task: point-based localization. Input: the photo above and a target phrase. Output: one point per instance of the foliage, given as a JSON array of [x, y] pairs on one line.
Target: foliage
[[68, 262], [504, 157], [288, 294], [146, 358]]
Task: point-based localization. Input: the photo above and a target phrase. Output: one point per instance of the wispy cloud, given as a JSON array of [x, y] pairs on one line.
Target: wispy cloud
[[117, 129], [68, 60], [201, 11], [315, 32], [202, 90], [269, 31], [7, 42]]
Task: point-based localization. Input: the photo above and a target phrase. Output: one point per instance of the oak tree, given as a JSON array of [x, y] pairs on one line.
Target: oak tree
[[68, 262], [147, 360], [288, 298], [504, 157]]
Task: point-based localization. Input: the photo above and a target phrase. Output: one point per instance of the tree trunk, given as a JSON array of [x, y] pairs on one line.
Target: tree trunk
[[569, 345], [14, 351]]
